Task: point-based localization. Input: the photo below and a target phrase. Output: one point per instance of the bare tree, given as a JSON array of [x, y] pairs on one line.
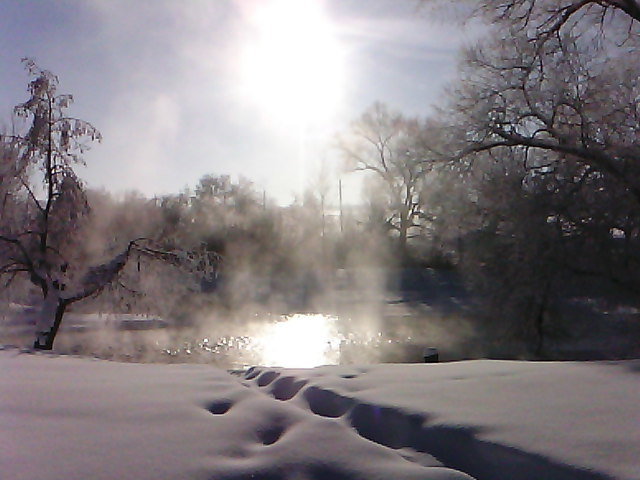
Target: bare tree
[[550, 87], [545, 18], [545, 119], [568, 103], [571, 110], [393, 148], [40, 239]]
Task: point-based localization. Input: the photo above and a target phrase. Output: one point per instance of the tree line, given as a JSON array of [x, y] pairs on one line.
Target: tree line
[[528, 174]]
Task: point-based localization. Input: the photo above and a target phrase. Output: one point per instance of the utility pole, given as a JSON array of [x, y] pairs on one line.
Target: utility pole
[[341, 212]]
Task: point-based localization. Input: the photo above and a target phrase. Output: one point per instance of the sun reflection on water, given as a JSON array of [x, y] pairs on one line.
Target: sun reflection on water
[[300, 340]]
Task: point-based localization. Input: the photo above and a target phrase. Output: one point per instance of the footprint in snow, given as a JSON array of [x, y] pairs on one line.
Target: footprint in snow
[[220, 407], [266, 378], [286, 388]]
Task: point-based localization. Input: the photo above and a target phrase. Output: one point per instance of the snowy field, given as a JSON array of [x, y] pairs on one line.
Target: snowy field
[[67, 418]]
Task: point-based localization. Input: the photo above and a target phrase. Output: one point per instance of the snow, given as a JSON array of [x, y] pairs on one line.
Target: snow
[[77, 418]]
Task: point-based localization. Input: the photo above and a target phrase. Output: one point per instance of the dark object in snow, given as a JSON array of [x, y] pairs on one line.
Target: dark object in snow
[[430, 355]]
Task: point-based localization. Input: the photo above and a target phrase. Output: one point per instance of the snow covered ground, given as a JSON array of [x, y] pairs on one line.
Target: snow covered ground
[[73, 418]]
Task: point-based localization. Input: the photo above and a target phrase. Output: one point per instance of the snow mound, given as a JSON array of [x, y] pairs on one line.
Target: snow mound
[[490, 419]]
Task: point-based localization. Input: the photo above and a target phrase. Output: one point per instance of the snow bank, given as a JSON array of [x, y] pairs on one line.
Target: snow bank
[[70, 418], [492, 419]]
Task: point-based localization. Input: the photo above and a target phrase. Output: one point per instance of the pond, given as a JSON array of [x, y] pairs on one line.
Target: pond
[[297, 340]]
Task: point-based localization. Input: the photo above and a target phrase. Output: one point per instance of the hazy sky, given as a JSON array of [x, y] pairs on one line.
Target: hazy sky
[[256, 88]]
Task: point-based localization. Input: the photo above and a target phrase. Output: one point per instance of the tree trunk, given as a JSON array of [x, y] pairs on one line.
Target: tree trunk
[[44, 339], [539, 320], [403, 234], [402, 242]]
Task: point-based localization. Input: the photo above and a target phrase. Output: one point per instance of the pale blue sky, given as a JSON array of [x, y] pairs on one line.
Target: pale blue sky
[[159, 79]]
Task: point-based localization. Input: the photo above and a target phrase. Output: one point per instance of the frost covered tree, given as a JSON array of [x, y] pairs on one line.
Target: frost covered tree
[[563, 92], [393, 148], [45, 205], [544, 121], [544, 18], [556, 77]]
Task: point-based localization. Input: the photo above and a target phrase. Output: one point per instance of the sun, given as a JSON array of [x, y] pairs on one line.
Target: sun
[[292, 64]]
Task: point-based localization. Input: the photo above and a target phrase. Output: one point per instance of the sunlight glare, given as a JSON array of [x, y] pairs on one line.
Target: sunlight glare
[[301, 340], [292, 66]]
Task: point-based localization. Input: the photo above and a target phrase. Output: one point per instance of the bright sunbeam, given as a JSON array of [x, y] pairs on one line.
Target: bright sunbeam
[[301, 340], [292, 65]]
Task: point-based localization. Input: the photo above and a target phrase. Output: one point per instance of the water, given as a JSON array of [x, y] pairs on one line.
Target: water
[[300, 340], [355, 324]]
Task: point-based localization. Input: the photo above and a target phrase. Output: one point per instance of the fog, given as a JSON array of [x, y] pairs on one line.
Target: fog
[[292, 290], [294, 286]]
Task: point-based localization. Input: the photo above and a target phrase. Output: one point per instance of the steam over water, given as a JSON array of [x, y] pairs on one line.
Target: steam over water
[[299, 340], [365, 324]]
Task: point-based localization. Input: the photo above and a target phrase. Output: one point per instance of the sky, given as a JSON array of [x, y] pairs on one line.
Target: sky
[[253, 88]]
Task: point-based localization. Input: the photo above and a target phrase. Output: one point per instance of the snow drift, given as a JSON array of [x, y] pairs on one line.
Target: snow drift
[[70, 418]]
